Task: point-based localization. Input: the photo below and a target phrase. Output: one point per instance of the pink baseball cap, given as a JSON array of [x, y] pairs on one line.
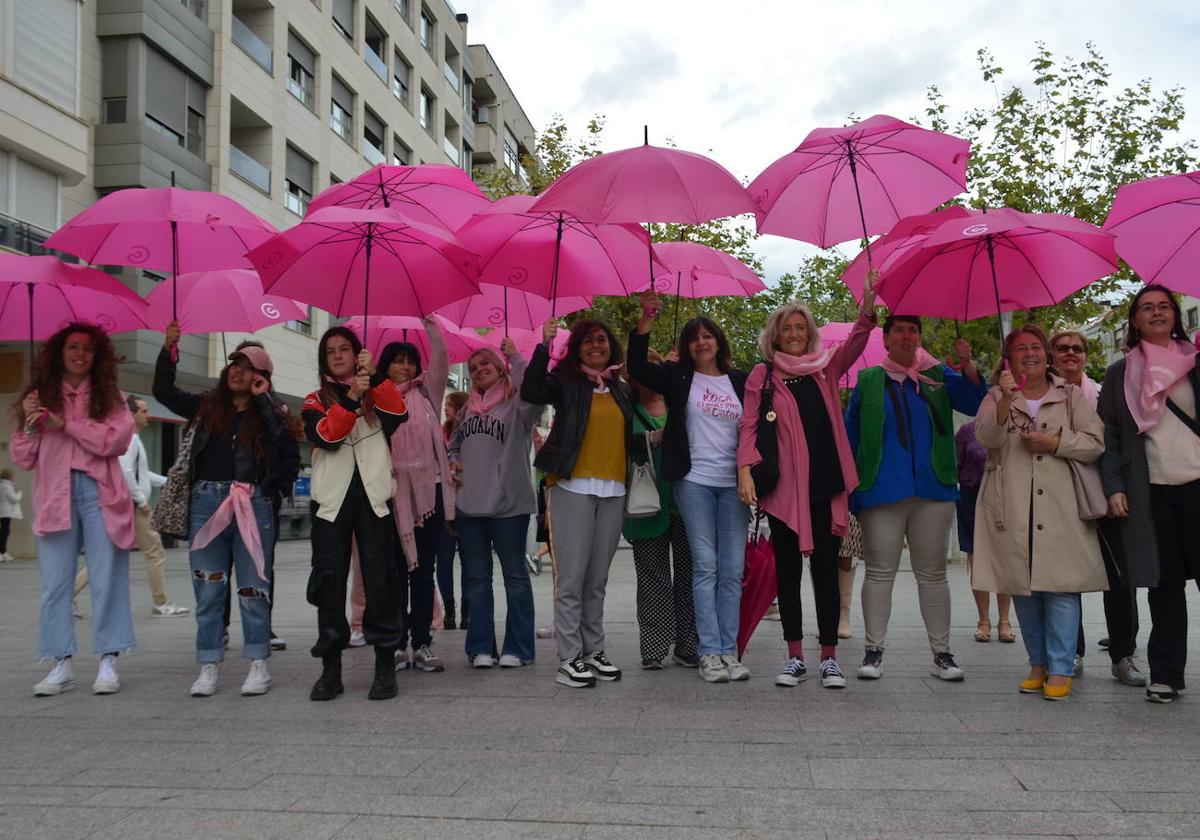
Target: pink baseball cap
[[257, 357]]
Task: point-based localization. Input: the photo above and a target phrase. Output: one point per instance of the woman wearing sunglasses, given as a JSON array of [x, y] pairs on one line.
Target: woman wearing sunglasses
[[1029, 540]]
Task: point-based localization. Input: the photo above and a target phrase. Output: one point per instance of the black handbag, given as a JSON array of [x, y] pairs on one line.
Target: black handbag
[[766, 472]]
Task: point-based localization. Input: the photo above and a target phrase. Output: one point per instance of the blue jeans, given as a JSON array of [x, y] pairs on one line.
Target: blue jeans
[[716, 523], [108, 569], [477, 536], [1049, 627], [211, 569], [447, 548]]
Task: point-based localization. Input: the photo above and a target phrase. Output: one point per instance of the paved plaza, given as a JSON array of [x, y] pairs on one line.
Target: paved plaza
[[506, 754]]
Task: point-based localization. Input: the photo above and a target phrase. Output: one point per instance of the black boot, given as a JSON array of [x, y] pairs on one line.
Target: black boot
[[384, 686], [329, 684]]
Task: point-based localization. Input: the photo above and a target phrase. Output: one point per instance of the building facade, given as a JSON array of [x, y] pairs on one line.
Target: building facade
[[266, 101]]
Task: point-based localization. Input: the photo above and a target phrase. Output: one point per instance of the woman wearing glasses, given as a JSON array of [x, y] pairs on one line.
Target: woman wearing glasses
[[1151, 473], [1029, 540]]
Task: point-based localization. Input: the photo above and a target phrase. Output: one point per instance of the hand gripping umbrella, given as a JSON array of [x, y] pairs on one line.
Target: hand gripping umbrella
[[696, 271], [430, 193]]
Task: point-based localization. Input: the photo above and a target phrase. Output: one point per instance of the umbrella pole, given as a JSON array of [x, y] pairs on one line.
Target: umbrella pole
[[367, 282], [678, 295], [996, 291], [506, 311], [174, 278], [554, 272], [858, 196], [29, 286]]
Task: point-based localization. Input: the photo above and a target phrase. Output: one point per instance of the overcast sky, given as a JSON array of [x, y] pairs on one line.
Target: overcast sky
[[745, 81]]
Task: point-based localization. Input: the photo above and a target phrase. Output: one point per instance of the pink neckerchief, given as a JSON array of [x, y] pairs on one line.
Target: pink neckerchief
[[806, 365], [405, 387], [598, 376], [482, 403], [922, 360], [1150, 374], [237, 506]]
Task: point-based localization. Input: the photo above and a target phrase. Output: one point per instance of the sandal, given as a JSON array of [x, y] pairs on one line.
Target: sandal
[[1005, 633], [983, 632]]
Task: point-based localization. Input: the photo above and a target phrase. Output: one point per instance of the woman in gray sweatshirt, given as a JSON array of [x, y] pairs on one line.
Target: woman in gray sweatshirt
[[489, 462]]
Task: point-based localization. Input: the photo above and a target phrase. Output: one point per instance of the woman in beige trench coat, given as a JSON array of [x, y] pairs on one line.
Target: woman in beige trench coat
[[1029, 540]]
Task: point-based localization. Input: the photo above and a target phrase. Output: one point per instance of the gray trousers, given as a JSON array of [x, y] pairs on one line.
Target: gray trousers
[[925, 525], [584, 533]]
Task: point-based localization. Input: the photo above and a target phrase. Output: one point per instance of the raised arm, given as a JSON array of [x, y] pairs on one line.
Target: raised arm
[[849, 351], [538, 385], [439, 363]]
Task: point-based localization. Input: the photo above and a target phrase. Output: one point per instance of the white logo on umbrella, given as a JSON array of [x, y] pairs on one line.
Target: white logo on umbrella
[[269, 310], [975, 230]]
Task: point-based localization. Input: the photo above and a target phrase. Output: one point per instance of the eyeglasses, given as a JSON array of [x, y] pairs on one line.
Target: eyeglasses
[[1077, 349], [1151, 308]]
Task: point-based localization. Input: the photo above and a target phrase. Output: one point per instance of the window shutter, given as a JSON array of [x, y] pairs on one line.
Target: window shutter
[[299, 170], [303, 55]]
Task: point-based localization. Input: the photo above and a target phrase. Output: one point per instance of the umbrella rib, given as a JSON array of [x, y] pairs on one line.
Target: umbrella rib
[[828, 196], [362, 243], [883, 187]]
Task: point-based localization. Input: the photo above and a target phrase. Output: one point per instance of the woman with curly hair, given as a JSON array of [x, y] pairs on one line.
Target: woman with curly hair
[[73, 426]]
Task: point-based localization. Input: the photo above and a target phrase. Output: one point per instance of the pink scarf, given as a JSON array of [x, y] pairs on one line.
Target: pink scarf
[[922, 360], [805, 365], [237, 506], [1150, 374], [598, 376], [483, 402], [418, 454]]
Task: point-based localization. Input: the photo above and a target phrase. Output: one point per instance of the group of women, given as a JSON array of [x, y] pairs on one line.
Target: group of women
[[390, 485]]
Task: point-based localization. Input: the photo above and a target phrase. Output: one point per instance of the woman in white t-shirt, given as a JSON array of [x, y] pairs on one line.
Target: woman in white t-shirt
[[699, 453]]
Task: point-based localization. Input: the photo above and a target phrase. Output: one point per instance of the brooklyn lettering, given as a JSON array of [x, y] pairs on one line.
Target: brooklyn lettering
[[477, 425]]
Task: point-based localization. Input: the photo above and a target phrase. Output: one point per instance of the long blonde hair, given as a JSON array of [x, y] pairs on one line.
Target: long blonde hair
[[770, 333]]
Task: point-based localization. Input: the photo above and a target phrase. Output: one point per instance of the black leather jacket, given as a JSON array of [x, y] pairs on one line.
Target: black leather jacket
[[280, 452], [571, 397]]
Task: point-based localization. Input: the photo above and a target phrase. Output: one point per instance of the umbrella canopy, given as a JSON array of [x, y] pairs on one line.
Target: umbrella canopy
[[693, 270], [500, 306], [430, 193], [836, 333], [1157, 225], [759, 584], [907, 234], [554, 255], [859, 180], [328, 258], [384, 329], [221, 301], [997, 261]]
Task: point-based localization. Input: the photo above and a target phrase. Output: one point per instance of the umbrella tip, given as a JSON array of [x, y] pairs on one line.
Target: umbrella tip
[[645, 135], [172, 177]]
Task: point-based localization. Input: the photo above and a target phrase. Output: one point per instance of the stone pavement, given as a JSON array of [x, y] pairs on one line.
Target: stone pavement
[[502, 754]]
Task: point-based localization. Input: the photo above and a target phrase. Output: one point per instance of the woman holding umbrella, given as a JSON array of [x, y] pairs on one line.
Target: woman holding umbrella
[[1029, 540], [234, 470], [586, 461], [1151, 473], [809, 507], [72, 426]]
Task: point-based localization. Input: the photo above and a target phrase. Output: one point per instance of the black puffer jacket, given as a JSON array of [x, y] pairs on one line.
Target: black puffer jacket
[[571, 397]]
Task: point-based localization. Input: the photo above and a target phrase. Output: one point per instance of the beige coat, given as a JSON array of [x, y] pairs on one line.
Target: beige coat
[[1066, 553]]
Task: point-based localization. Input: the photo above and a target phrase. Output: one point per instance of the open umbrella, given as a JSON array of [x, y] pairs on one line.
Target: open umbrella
[[41, 295], [430, 193], [1157, 225], [858, 180], [231, 300], [837, 332], [693, 270], [328, 258], [384, 329], [528, 340], [908, 233], [504, 307]]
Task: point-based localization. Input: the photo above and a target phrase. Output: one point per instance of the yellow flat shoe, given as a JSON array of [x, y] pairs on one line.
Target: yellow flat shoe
[[1057, 692], [1030, 685]]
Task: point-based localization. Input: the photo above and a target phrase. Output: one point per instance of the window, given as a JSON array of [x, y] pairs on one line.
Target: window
[[425, 113], [401, 77], [341, 110], [401, 154], [511, 160], [333, 179], [114, 109], [402, 8], [302, 64], [467, 155], [373, 134], [196, 7], [343, 18], [427, 31], [174, 105], [164, 130], [195, 132], [298, 181], [1193, 318], [375, 48], [303, 327]]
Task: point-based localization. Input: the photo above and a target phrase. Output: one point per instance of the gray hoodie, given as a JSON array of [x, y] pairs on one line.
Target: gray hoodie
[[494, 451]]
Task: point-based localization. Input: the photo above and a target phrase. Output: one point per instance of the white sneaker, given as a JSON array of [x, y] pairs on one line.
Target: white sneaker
[[402, 662], [482, 660], [206, 684], [357, 639], [737, 671], [546, 632], [168, 610], [61, 678], [712, 669], [258, 681], [510, 661], [4, 558], [106, 678]]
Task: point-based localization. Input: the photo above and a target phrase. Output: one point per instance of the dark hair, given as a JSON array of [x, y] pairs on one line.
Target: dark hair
[[891, 321], [399, 351], [327, 393], [691, 331], [132, 401], [291, 423], [1133, 336], [48, 374], [249, 342], [458, 399], [579, 331]]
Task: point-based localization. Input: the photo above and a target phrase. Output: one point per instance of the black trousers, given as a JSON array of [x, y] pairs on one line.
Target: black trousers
[[419, 581], [1120, 600], [665, 610], [823, 567], [383, 585], [5, 529], [1176, 510]]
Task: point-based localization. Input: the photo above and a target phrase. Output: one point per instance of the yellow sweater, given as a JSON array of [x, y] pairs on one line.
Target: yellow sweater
[[602, 453]]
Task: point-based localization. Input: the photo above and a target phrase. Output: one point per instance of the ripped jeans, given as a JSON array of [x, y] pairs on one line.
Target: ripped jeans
[[212, 567]]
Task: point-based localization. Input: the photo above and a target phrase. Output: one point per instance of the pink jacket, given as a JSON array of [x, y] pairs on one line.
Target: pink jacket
[[789, 500], [91, 446]]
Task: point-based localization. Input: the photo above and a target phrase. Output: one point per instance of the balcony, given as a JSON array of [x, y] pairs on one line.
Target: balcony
[[250, 170], [255, 47], [376, 63], [451, 150], [371, 153], [17, 235], [451, 76], [300, 86]]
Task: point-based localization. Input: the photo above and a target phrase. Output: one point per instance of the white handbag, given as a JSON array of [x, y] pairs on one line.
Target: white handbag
[[642, 499]]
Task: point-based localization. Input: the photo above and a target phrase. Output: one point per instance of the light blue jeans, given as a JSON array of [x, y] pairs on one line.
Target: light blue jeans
[[211, 569], [108, 570], [716, 523], [1050, 629]]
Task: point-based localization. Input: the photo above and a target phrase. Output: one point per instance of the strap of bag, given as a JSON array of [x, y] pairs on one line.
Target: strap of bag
[[1190, 422], [767, 403]]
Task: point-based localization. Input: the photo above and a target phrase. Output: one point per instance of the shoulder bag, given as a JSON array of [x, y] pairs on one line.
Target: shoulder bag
[[766, 472], [1089, 492], [642, 499], [172, 511]]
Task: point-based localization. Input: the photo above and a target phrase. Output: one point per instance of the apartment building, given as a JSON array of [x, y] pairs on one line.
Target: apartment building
[[267, 101]]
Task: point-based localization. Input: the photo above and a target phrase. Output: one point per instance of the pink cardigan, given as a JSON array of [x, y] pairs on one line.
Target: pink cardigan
[[92, 446], [789, 500]]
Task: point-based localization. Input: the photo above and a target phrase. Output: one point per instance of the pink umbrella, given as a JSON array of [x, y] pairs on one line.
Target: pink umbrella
[[554, 254], [56, 293], [994, 261], [500, 306], [843, 183], [222, 301], [1157, 225], [837, 332], [430, 193], [906, 235], [326, 260], [385, 329], [759, 587], [696, 271], [528, 340]]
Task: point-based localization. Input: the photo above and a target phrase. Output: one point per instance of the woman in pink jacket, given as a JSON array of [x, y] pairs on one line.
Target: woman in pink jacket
[[808, 509], [73, 427]]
